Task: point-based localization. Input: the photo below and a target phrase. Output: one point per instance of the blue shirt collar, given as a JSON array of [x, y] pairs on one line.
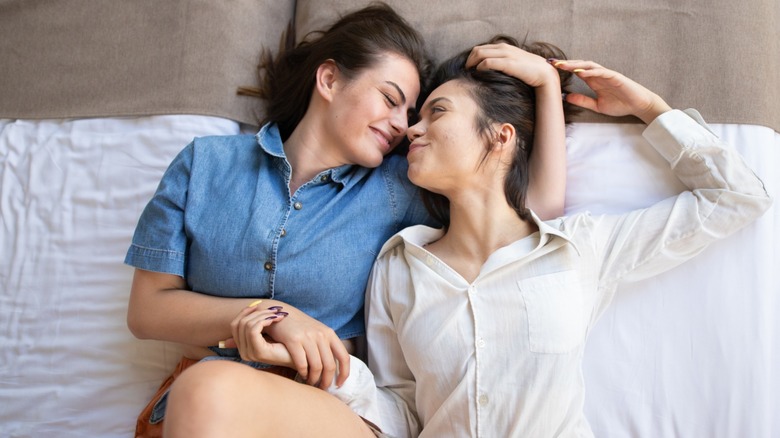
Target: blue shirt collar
[[270, 140]]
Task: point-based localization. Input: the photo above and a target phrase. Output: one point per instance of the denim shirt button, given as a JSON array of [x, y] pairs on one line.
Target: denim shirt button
[[283, 233], [268, 266], [324, 178], [297, 206]]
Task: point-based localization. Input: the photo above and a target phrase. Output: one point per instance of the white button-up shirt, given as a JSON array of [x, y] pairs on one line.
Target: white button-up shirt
[[501, 356]]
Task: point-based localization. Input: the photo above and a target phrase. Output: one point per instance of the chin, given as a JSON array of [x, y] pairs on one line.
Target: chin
[[414, 177], [371, 162]]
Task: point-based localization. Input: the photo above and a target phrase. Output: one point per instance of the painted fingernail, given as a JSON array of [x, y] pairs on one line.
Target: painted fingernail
[[578, 70], [282, 313], [551, 60], [221, 344], [273, 317], [559, 63], [255, 303], [277, 308]]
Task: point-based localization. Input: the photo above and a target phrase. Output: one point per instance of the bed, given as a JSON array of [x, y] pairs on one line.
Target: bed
[[96, 97]]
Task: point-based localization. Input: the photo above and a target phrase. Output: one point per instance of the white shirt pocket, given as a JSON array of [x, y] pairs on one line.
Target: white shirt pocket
[[554, 308]]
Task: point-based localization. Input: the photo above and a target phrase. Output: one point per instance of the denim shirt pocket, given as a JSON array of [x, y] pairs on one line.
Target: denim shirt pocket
[[554, 310]]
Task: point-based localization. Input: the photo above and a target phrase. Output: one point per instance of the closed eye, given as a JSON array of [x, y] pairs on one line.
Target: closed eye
[[390, 100]]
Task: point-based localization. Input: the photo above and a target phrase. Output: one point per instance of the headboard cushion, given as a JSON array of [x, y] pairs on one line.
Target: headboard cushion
[[719, 56]]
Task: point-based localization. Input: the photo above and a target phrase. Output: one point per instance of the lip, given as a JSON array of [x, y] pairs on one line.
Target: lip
[[414, 146], [384, 138]]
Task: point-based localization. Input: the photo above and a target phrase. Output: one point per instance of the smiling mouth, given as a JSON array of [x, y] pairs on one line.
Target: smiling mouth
[[414, 147], [383, 139]]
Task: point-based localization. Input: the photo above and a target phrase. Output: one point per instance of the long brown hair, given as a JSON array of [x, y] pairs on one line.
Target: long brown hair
[[504, 99], [354, 43]]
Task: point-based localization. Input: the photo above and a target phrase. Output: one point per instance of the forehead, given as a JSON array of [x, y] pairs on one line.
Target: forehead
[[391, 67], [455, 91]]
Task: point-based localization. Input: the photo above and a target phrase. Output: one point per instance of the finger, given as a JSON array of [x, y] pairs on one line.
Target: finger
[[575, 64], [255, 346], [228, 343], [480, 53], [342, 356], [235, 327], [298, 356], [314, 359], [497, 64], [582, 100], [328, 364]]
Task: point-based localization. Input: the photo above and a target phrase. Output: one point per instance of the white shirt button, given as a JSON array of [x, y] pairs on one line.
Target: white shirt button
[[297, 206], [480, 343], [483, 400]]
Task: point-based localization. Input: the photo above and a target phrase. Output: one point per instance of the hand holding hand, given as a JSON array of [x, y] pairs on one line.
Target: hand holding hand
[[514, 61], [247, 329], [315, 349], [616, 95]]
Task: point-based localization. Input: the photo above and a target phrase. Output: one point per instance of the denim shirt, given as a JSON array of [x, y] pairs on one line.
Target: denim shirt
[[223, 219]]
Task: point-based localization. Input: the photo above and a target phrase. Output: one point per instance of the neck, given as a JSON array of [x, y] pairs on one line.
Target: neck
[[476, 233], [307, 153]]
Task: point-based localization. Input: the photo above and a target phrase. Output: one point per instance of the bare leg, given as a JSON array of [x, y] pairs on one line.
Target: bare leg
[[222, 398]]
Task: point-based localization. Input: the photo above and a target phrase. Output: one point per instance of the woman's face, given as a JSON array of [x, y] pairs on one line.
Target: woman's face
[[369, 114], [446, 149]]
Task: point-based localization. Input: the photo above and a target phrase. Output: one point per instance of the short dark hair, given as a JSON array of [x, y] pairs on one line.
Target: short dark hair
[[354, 42], [504, 99]]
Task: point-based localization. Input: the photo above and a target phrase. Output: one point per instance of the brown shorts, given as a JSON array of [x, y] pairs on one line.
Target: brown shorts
[[146, 428]]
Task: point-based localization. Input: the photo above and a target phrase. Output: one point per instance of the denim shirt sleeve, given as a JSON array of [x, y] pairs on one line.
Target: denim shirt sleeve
[[159, 243]]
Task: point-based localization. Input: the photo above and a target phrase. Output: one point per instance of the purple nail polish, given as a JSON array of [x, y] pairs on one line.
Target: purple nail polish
[[277, 308], [272, 317], [281, 313], [551, 60]]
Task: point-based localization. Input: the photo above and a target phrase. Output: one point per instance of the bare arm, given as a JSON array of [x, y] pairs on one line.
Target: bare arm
[[162, 308], [547, 167], [547, 178]]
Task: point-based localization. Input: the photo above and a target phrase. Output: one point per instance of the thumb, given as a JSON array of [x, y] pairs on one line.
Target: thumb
[[228, 343], [582, 101]]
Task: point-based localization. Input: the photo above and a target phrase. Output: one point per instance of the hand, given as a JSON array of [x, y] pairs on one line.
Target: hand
[[616, 95], [247, 329], [315, 349], [514, 61]]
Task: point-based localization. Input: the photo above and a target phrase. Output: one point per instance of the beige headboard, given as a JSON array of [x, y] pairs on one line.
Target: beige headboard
[[80, 58], [83, 58]]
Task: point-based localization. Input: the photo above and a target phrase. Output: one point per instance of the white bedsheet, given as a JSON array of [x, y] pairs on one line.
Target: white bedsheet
[[691, 353]]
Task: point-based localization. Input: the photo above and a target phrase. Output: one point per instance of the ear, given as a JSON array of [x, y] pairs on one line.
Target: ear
[[505, 138], [325, 79]]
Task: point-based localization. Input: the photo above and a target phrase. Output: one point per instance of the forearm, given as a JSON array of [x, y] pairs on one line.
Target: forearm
[[161, 308], [547, 170]]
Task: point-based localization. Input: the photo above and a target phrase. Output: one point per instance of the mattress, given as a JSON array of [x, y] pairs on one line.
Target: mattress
[[689, 353]]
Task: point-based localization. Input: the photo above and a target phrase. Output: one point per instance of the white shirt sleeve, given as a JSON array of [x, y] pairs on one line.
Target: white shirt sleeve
[[724, 195], [394, 379]]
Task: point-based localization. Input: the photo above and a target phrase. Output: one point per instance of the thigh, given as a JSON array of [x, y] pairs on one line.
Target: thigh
[[220, 397]]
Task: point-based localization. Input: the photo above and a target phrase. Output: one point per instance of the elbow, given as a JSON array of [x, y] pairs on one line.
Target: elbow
[[135, 324]]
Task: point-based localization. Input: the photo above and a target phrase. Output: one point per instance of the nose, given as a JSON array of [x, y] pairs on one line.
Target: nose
[[415, 131], [398, 124]]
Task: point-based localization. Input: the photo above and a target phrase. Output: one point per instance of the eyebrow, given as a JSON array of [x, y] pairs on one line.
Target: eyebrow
[[434, 101]]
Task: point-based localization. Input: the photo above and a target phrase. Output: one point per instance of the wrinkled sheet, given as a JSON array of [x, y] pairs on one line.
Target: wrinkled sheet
[[690, 353]]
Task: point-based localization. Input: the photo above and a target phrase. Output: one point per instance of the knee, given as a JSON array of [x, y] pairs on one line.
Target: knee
[[204, 388]]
